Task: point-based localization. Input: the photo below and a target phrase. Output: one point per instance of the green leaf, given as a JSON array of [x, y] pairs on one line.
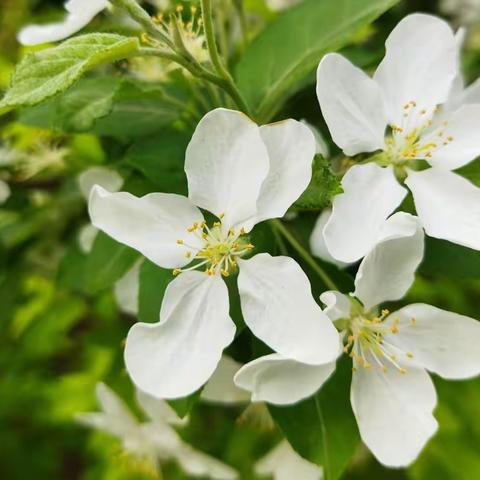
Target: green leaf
[[322, 429], [290, 48], [322, 188], [183, 405], [43, 74], [451, 260], [139, 110], [161, 160], [153, 282], [107, 262]]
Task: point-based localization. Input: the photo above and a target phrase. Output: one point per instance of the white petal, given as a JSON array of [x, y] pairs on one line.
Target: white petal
[[351, 104], [448, 206], [443, 342], [126, 290], [371, 194], [177, 356], [337, 305], [472, 93], [463, 127], [226, 163], [278, 380], [107, 178], [388, 271], [86, 237], [291, 148], [317, 240], [278, 306], [4, 192], [394, 412], [284, 463], [220, 388], [199, 464], [158, 410], [424, 74], [321, 144], [80, 13], [151, 224]]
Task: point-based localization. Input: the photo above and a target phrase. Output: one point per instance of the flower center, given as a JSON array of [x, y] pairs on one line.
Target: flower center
[[367, 341], [220, 250], [410, 140]]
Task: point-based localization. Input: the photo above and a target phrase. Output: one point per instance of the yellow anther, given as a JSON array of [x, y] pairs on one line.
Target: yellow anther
[[413, 321], [180, 241], [423, 111], [394, 329], [221, 215], [409, 354], [360, 360], [384, 368], [224, 272], [188, 254], [144, 37], [367, 365], [204, 235], [231, 232], [179, 8], [242, 231], [202, 224], [354, 370], [385, 312], [403, 371], [450, 138], [250, 246], [216, 224], [176, 271], [413, 103]]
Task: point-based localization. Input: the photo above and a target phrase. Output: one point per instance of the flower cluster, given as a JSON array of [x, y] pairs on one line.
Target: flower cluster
[[411, 125]]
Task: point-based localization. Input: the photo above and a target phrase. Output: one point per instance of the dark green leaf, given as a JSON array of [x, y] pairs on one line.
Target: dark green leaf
[[107, 262]]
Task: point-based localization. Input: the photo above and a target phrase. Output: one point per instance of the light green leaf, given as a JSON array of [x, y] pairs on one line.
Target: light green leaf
[[292, 45], [322, 429], [48, 72]]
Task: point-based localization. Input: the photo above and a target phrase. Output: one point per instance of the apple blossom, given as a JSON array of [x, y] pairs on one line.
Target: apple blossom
[[392, 395], [404, 95], [242, 174], [79, 14], [155, 441]]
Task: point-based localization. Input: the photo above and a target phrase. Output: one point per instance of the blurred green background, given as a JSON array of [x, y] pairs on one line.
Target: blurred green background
[[60, 328]]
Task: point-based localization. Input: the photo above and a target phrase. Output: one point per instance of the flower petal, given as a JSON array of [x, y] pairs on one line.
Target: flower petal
[[80, 13], [278, 306], [199, 464], [5, 192], [151, 224], [317, 240], [351, 104], [459, 142], [337, 305], [291, 148], [425, 74], [443, 342], [226, 163], [388, 271], [176, 356], [107, 178], [448, 206], [278, 380], [126, 290], [284, 463], [371, 194], [158, 410], [220, 388], [86, 237], [394, 412]]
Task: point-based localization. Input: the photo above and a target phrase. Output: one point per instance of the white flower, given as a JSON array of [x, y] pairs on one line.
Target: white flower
[[392, 394], [415, 76], [154, 441], [107, 178], [282, 4], [242, 174], [283, 463], [126, 290], [79, 14]]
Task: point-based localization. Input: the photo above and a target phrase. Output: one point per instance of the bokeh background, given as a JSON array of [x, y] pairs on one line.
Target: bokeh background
[[61, 330]]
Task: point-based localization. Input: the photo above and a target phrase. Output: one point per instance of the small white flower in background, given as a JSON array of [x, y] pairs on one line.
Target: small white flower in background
[[127, 288], [282, 4], [464, 11], [107, 178], [283, 463], [392, 395], [79, 14], [154, 441], [243, 174], [403, 95], [4, 192]]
